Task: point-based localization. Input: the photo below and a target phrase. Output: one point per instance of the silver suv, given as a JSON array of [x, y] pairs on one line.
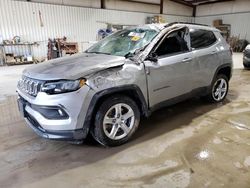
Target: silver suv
[[129, 74]]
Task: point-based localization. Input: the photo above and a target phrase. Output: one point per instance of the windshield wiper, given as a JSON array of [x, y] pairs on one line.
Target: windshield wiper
[[130, 54], [99, 53]]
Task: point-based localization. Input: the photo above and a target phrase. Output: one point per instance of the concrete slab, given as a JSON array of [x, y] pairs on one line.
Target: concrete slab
[[238, 60], [191, 144]]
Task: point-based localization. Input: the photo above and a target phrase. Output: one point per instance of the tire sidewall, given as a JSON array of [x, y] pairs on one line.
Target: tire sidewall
[[220, 76], [98, 131]]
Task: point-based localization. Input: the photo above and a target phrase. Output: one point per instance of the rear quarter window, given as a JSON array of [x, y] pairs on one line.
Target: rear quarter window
[[202, 38]]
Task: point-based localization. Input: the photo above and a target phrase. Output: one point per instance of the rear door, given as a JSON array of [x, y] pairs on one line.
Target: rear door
[[170, 76], [206, 60]]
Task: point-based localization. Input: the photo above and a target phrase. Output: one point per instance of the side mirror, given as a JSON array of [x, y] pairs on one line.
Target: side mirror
[[152, 57]]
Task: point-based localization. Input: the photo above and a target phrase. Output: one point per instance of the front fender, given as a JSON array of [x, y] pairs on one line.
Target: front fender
[[132, 91]]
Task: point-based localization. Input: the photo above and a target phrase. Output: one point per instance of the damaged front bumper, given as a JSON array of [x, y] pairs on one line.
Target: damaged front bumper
[[67, 135], [57, 117]]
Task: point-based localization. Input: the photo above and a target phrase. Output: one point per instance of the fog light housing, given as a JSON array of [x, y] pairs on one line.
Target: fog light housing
[[51, 112]]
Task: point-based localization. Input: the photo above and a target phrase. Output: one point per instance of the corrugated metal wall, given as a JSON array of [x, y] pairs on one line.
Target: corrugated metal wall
[[76, 23], [240, 24]]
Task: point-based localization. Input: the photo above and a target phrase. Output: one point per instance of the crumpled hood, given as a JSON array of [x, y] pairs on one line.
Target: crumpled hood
[[73, 67]]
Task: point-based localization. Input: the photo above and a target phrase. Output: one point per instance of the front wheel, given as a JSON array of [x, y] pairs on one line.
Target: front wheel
[[219, 89], [116, 121]]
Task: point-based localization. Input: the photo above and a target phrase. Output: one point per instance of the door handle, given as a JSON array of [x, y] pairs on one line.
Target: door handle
[[186, 60]]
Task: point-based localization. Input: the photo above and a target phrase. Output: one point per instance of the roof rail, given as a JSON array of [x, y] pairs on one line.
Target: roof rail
[[170, 24]]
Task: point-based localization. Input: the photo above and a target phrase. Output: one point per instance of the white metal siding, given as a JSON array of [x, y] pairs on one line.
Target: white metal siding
[[240, 24], [170, 7], [132, 6], [149, 6], [76, 23], [80, 3], [236, 13], [230, 7]]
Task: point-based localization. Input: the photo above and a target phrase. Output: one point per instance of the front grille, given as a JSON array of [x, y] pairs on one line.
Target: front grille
[[29, 85]]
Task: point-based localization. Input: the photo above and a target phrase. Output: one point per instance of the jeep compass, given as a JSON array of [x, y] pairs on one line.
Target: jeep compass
[[127, 75]]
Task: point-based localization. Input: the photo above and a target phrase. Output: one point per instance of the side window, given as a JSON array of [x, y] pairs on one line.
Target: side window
[[201, 38], [174, 43]]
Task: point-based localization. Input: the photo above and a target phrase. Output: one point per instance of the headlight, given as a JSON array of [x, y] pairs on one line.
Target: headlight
[[62, 86]]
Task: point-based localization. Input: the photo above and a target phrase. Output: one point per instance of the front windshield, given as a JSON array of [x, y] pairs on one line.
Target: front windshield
[[124, 42]]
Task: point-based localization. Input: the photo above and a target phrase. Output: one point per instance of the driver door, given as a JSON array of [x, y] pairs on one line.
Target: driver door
[[170, 75]]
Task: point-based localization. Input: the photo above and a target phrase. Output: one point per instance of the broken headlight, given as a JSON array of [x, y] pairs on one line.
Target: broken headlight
[[62, 86]]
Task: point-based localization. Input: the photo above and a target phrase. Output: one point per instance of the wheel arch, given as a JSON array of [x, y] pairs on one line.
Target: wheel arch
[[225, 69], [131, 91]]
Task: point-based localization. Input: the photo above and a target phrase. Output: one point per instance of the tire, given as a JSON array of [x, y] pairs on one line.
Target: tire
[[246, 66], [116, 121], [217, 91]]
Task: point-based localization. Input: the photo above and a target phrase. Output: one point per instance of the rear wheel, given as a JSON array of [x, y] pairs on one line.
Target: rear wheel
[[116, 121], [219, 89]]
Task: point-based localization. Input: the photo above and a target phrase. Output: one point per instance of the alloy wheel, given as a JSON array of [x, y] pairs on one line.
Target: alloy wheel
[[219, 89], [118, 121]]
